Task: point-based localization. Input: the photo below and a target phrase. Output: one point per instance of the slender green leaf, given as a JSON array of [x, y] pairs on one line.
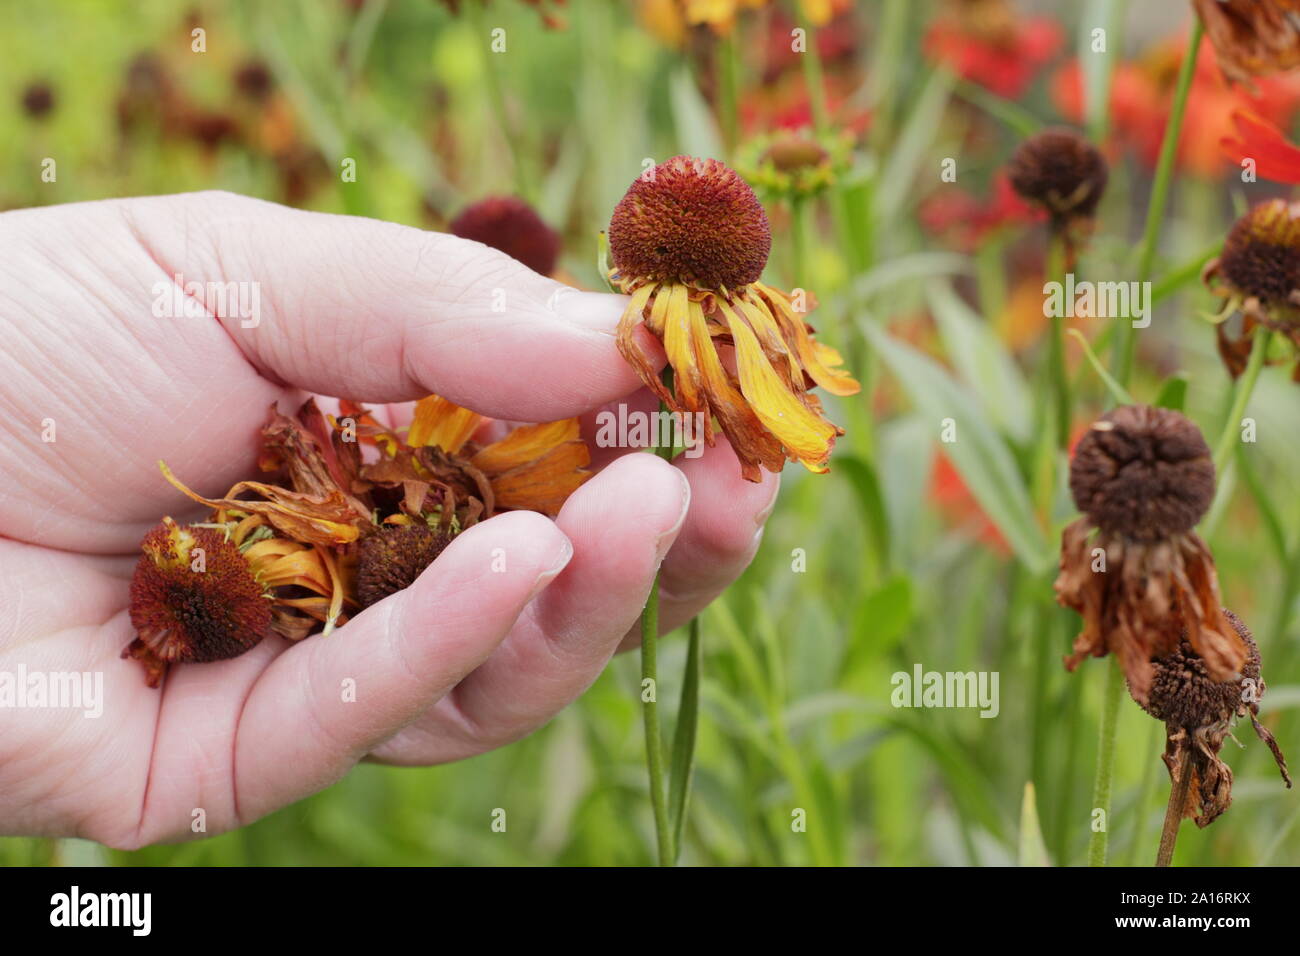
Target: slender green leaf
[[979, 453], [983, 362], [682, 761]]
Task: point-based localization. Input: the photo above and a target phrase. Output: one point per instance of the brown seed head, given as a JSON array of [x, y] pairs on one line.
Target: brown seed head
[[510, 225], [38, 100], [1183, 693], [1261, 256], [253, 79], [1144, 473], [391, 560], [187, 606], [1061, 171], [693, 221]]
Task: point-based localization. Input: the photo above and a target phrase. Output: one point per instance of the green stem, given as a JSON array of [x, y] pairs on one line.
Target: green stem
[[1055, 270], [1126, 341], [1231, 428], [812, 76], [654, 747], [497, 95], [1101, 787]]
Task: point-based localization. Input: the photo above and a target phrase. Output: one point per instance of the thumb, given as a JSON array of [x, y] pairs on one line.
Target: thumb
[[327, 702], [379, 312]]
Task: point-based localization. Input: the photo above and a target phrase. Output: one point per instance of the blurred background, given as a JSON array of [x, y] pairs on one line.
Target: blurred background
[[912, 550]]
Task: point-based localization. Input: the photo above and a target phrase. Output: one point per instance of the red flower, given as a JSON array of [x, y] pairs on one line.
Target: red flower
[[1258, 139], [1001, 54]]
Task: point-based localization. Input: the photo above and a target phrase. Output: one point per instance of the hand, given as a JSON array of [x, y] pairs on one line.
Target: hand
[[95, 388]]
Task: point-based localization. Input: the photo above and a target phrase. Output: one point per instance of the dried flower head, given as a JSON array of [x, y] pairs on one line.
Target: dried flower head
[[689, 242], [38, 100], [1258, 275], [334, 532], [1061, 171], [512, 226], [1252, 37], [391, 560], [1143, 472], [1199, 713], [1143, 477], [193, 598], [690, 221]]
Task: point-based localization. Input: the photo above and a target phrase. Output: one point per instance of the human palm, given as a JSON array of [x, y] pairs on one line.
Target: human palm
[[96, 388]]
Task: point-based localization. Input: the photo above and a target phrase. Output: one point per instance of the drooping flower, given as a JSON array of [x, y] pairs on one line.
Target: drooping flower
[[1060, 171], [1199, 712], [1252, 37], [1258, 275], [689, 242], [1143, 477]]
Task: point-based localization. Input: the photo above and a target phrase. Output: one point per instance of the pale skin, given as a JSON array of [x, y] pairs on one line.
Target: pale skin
[[465, 660]]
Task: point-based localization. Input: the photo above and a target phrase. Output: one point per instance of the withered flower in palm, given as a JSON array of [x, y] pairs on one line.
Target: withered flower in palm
[[333, 532], [1258, 275], [212, 591], [1059, 170], [512, 226], [1199, 712], [1143, 477], [689, 242], [1252, 37]]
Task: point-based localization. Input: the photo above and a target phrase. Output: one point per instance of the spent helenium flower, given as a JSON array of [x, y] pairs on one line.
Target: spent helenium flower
[[1143, 477], [689, 242]]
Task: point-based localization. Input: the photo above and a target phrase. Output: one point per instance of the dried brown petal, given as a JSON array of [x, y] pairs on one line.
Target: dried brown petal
[[1136, 598]]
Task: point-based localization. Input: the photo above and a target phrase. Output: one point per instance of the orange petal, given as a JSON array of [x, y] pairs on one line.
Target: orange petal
[[441, 423], [753, 443]]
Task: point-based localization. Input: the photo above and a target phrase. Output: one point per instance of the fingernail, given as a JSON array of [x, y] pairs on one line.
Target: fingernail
[[546, 577], [666, 539], [597, 311]]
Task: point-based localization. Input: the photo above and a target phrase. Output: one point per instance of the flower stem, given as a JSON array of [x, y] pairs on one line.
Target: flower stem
[[1126, 341], [654, 748], [654, 745], [1174, 812], [1228, 438], [812, 77], [1101, 787], [1055, 269]]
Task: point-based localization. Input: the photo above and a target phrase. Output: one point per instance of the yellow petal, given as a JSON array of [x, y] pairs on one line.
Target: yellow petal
[[441, 423], [817, 359], [807, 437]]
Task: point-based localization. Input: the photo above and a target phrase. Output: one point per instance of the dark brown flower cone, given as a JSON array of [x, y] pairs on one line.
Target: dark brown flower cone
[[1199, 712], [390, 560]]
